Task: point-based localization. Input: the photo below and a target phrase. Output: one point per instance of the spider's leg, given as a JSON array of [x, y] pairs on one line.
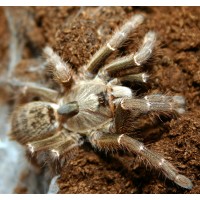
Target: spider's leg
[[157, 102], [116, 141], [141, 77], [30, 88], [45, 93], [59, 144], [115, 42], [62, 71], [122, 66], [70, 144], [55, 150], [129, 109]]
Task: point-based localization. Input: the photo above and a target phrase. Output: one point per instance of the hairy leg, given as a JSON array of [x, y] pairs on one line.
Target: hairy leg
[[115, 42], [58, 144], [121, 66], [30, 88], [62, 71], [55, 150], [160, 103], [106, 141]]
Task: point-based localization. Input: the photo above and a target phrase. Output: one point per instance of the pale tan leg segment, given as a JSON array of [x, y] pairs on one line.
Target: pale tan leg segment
[[133, 60], [32, 89], [115, 42], [62, 71], [156, 102], [115, 141]]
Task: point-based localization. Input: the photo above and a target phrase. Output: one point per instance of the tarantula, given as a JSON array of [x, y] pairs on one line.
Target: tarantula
[[93, 104]]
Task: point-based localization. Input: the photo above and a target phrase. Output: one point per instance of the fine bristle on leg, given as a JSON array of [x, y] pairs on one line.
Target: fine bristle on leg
[[115, 42]]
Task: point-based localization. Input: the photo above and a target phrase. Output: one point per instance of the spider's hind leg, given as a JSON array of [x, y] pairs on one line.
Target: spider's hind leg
[[61, 143], [55, 150], [115, 42], [107, 141]]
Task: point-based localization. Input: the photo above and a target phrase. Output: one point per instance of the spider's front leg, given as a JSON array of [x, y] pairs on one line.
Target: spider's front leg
[[107, 141]]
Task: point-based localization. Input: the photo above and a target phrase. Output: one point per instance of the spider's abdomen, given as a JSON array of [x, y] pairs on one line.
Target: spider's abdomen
[[34, 121], [94, 110]]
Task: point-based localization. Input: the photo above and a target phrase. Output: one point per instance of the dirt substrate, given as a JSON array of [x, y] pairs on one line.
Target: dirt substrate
[[76, 34]]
